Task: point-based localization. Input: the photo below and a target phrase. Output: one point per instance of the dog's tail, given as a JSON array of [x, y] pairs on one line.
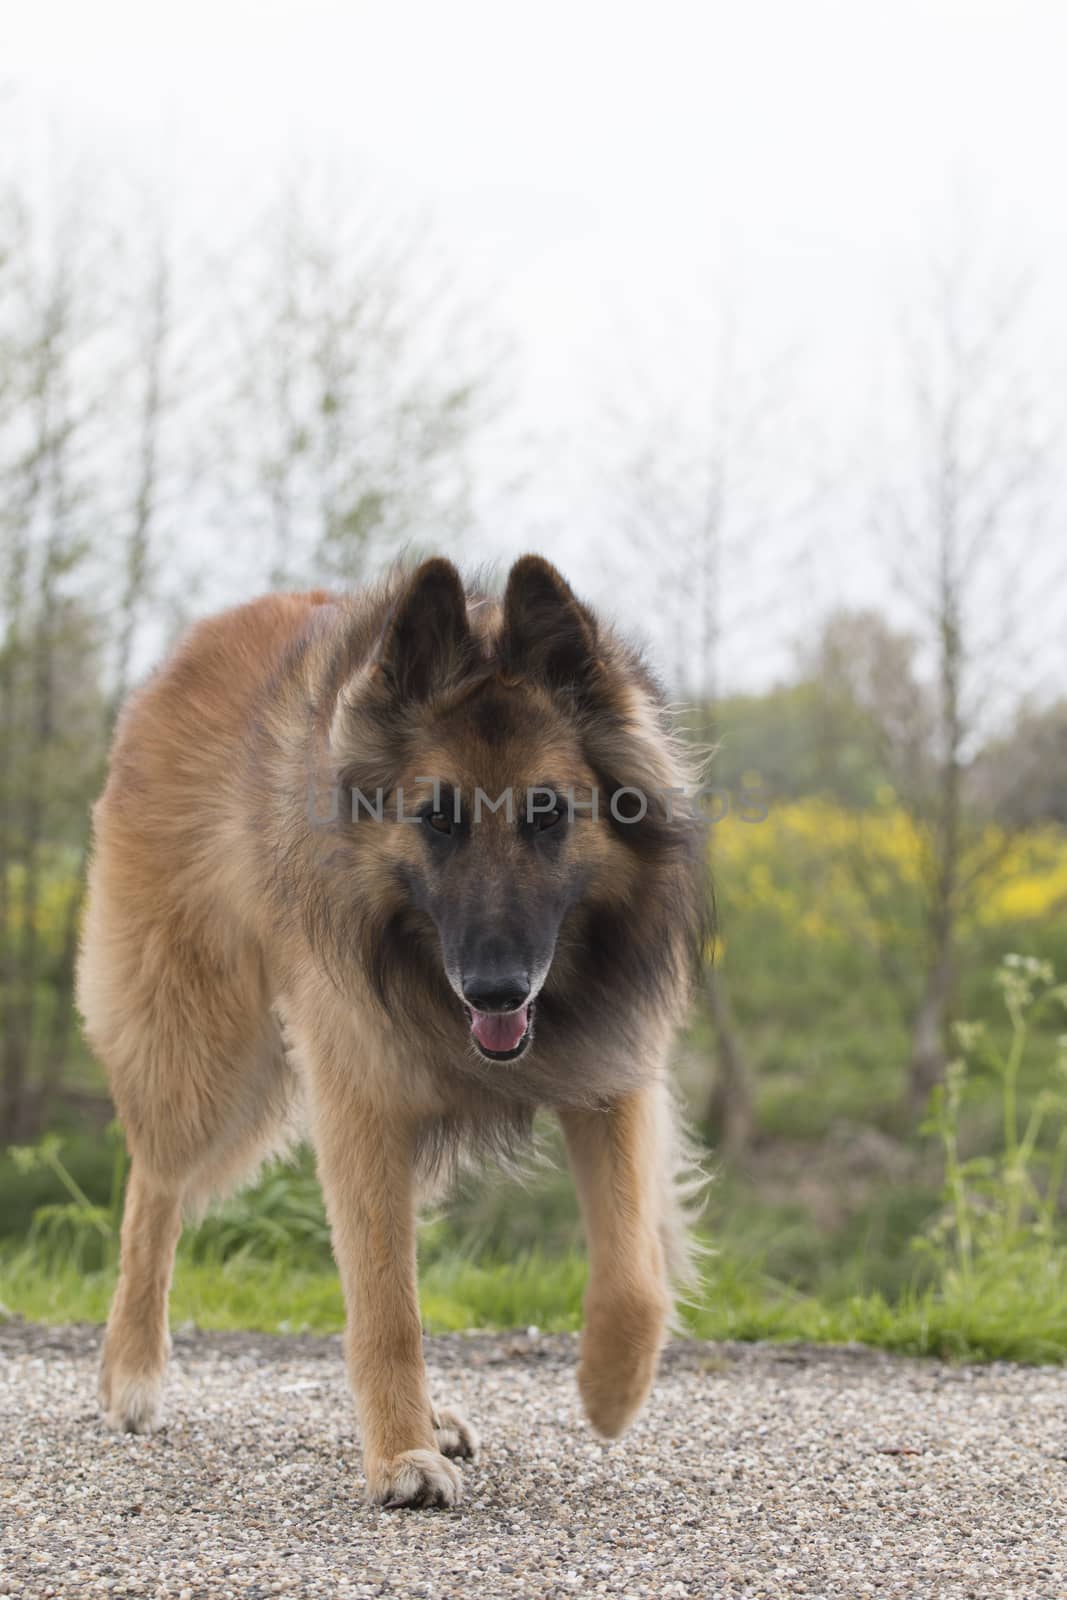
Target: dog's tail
[[685, 1189]]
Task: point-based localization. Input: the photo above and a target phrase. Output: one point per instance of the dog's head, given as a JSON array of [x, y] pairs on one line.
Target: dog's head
[[500, 766]]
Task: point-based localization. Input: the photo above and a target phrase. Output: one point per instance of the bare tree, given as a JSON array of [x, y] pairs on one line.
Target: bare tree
[[144, 371], [709, 514], [872, 708], [72, 442], [148, 368], [46, 543], [961, 529], [362, 378]]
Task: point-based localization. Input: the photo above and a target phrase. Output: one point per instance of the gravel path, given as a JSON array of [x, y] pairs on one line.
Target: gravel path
[[755, 1472]]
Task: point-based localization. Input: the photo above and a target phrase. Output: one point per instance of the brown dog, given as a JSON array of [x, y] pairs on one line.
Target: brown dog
[[414, 862]]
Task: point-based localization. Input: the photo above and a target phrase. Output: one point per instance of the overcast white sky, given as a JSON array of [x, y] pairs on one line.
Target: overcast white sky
[[597, 166]]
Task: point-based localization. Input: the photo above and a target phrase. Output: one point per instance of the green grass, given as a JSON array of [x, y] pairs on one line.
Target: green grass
[[1008, 1315], [276, 1297], [1018, 1315]]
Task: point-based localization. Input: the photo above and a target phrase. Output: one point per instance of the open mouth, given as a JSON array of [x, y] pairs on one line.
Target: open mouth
[[501, 1035]]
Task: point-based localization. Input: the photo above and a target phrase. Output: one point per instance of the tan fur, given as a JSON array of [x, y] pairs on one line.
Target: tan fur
[[615, 1154], [195, 967]]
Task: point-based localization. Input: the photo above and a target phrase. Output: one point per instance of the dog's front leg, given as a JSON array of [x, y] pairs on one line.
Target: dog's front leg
[[366, 1164], [617, 1156]]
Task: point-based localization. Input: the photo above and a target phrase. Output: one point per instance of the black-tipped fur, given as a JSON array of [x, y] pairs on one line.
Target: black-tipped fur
[[616, 956]]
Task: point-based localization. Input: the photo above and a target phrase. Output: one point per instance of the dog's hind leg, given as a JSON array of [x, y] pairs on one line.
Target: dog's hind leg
[[235, 1128], [200, 1082], [137, 1343]]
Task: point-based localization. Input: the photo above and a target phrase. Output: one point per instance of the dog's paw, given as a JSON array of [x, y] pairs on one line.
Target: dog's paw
[[612, 1401], [130, 1404], [455, 1436], [619, 1355], [418, 1478]]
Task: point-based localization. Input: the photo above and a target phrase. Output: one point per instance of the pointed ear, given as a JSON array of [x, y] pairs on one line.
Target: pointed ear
[[427, 639], [548, 634]]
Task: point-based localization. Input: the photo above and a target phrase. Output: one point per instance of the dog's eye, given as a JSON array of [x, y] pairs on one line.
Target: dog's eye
[[439, 821], [549, 819]]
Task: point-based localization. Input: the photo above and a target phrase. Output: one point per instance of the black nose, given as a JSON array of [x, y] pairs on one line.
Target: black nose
[[505, 991]]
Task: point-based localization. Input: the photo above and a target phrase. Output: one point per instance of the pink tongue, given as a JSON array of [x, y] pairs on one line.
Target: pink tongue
[[500, 1031]]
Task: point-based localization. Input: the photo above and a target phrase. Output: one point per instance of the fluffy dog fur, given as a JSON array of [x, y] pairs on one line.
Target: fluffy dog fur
[[260, 945]]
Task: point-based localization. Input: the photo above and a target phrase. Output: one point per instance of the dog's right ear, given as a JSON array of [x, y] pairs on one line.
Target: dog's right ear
[[427, 639]]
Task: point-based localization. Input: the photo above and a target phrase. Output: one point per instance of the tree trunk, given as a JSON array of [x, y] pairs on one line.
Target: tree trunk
[[729, 1113], [929, 1035]]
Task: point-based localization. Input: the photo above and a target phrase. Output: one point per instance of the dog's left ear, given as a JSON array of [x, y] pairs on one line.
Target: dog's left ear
[[427, 639], [548, 634]]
